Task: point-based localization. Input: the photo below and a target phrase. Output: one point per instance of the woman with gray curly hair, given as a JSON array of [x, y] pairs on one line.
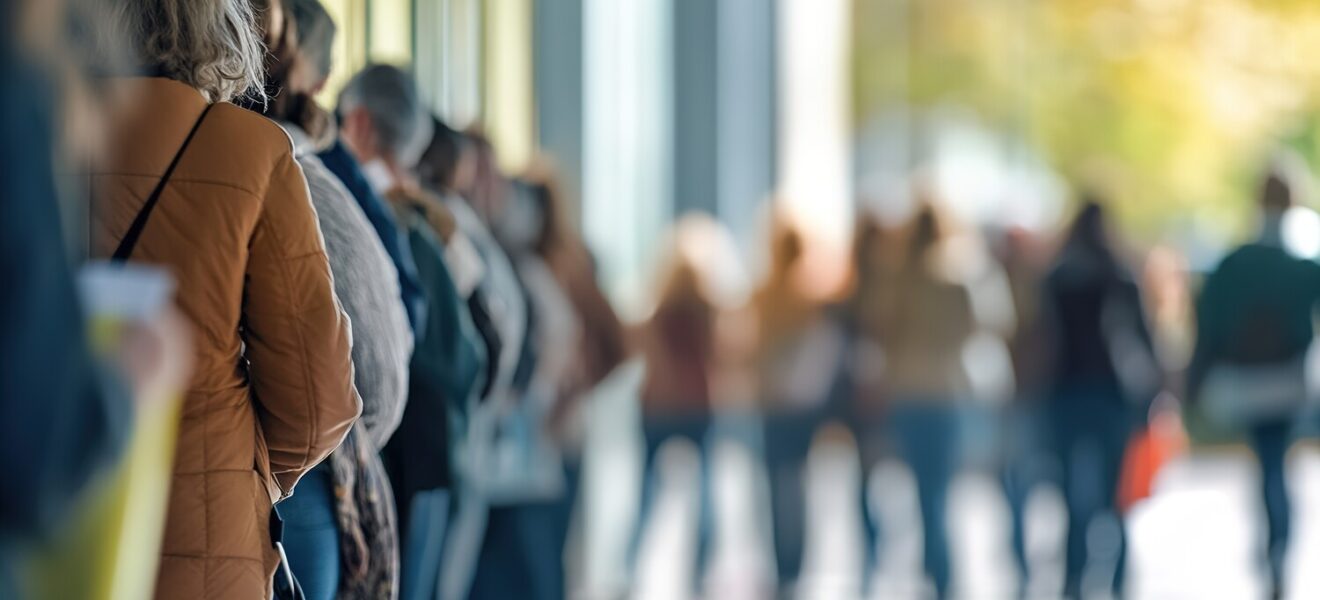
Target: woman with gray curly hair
[[213, 193]]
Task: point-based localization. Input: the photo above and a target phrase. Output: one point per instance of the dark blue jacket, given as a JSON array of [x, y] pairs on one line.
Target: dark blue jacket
[[346, 168]]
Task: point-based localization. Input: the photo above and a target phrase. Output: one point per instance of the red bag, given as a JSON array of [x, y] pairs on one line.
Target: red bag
[[1149, 449]]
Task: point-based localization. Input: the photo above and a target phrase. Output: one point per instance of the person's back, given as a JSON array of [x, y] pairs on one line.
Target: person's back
[[1104, 372], [679, 343], [932, 323], [272, 393], [1258, 306], [1078, 296], [1248, 372]]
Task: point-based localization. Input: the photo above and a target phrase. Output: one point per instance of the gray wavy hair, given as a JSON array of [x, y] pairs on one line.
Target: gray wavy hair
[[211, 45]]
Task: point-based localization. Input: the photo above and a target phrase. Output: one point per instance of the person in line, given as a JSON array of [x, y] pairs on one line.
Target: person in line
[[523, 551], [386, 127], [315, 53], [944, 298], [601, 348], [272, 393], [476, 199], [343, 512], [1253, 330], [1103, 378], [62, 427], [485, 535]]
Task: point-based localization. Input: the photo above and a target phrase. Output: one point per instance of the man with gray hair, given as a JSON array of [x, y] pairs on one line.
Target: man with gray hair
[[315, 51], [385, 125]]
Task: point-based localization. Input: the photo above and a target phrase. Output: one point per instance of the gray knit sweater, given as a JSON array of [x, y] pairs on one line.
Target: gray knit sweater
[[368, 288]]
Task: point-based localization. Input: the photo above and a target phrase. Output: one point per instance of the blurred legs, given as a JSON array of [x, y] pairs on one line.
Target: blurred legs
[[928, 437], [1270, 443]]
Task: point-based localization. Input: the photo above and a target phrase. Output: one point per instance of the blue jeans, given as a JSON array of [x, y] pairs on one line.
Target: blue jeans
[[1092, 427], [522, 555], [928, 434], [1025, 462], [657, 431], [423, 544], [872, 437], [1270, 442], [311, 534], [788, 438]]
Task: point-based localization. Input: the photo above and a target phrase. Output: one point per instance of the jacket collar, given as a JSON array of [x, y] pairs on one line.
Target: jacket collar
[[163, 92], [139, 108]]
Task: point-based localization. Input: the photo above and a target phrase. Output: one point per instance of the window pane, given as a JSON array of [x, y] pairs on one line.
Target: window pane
[[391, 31], [350, 45]]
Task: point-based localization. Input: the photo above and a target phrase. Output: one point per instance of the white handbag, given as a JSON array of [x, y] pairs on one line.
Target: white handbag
[[1235, 395]]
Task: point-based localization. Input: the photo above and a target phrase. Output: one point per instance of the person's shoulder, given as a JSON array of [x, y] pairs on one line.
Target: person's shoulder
[[1256, 258], [260, 136]]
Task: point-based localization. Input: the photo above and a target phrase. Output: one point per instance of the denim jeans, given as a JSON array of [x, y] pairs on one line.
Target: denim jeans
[[1270, 442], [311, 534], [870, 430], [788, 438], [423, 544], [1024, 462], [1092, 427], [504, 569], [657, 431], [929, 434]]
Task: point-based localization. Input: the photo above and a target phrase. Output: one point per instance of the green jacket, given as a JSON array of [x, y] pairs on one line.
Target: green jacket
[[447, 369], [1256, 308]]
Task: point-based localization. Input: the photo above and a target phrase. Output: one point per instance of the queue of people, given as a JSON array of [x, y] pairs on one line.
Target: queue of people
[[372, 310], [383, 345]]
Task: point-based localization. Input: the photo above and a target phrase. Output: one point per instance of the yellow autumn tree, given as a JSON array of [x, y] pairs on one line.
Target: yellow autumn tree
[[1175, 104]]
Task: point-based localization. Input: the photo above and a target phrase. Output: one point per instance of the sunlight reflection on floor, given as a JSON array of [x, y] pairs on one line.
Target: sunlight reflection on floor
[[1195, 539]]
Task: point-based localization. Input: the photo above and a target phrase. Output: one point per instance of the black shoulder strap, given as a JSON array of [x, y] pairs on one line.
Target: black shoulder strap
[[130, 240]]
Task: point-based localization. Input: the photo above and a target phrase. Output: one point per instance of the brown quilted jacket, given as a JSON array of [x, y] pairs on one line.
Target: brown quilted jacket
[[272, 393]]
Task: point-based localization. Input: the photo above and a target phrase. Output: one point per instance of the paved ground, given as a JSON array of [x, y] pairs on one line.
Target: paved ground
[[1195, 539]]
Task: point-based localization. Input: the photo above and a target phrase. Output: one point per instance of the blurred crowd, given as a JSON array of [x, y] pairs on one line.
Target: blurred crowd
[[375, 351]]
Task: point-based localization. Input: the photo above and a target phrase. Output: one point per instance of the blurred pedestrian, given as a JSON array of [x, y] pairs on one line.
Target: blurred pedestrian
[[678, 343], [1248, 371], [874, 269], [942, 304], [1104, 376], [797, 358], [1024, 456]]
